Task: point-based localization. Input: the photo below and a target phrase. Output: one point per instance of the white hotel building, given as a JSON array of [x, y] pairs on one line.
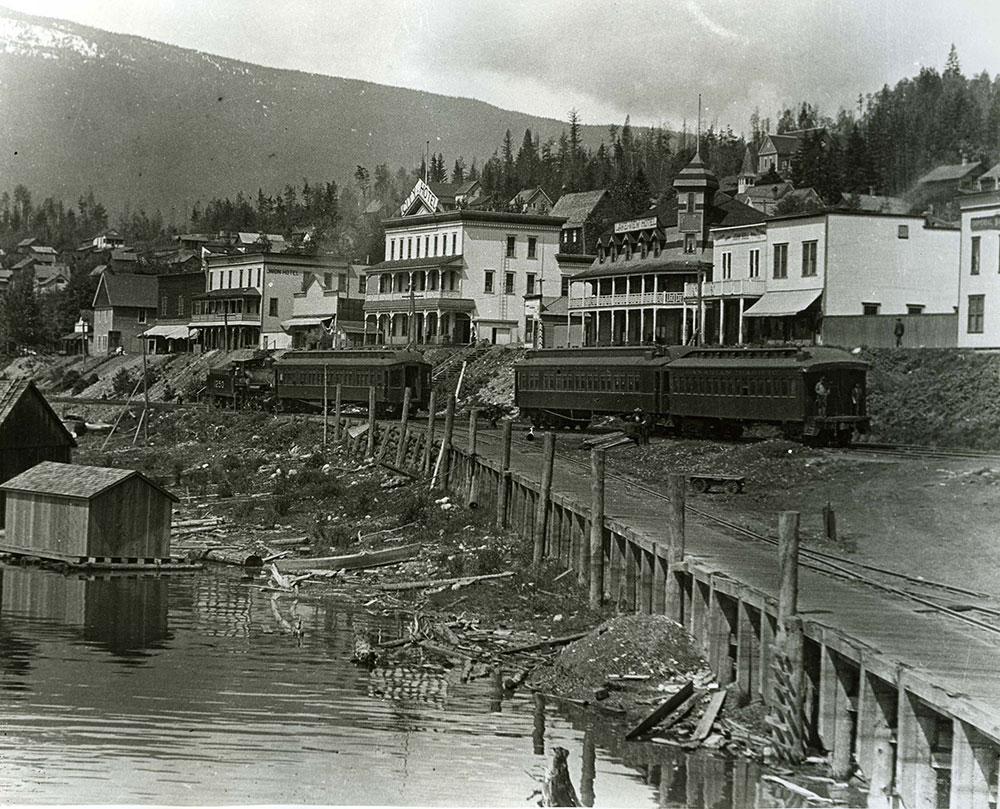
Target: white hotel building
[[459, 275]]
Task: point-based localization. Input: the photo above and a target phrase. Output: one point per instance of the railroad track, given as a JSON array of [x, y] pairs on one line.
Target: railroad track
[[914, 451], [832, 564]]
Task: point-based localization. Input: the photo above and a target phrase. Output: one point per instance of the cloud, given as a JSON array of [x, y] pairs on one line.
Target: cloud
[[695, 10]]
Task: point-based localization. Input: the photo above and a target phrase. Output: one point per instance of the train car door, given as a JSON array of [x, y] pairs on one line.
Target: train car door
[[412, 374]]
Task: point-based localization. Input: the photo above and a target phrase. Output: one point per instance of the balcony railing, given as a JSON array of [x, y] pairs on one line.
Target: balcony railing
[[732, 288], [427, 294], [628, 299], [232, 318]]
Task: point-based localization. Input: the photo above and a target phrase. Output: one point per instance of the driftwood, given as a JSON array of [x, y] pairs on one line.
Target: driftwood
[[662, 711], [371, 534], [354, 561], [397, 469], [708, 718], [228, 556], [558, 788], [460, 580], [288, 542], [447, 651], [364, 652], [543, 644]]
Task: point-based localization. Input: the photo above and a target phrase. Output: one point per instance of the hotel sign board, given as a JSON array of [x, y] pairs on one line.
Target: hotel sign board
[[635, 224], [422, 192], [986, 222]]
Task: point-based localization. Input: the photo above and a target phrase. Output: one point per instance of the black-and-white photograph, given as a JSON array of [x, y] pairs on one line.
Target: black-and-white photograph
[[500, 404]]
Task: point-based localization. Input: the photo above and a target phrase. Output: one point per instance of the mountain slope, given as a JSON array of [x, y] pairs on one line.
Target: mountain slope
[[151, 125]]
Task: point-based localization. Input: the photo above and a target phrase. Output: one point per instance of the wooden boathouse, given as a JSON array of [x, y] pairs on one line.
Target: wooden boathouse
[[30, 431], [87, 515]]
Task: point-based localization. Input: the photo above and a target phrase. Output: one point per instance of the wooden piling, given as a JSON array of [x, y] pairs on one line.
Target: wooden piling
[[675, 545], [428, 464], [836, 725], [645, 581], [471, 487], [916, 778], [787, 668], [597, 469], [404, 420], [370, 450], [542, 505], [659, 583], [503, 480], [338, 412]]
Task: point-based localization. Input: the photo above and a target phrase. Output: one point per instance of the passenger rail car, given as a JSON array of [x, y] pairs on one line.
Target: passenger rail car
[[815, 394], [299, 378], [295, 380]]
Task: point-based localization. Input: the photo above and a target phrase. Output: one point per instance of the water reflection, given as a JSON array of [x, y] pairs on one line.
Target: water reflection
[[122, 614], [243, 697]]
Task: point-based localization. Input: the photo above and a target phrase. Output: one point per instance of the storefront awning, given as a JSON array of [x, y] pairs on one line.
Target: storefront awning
[[167, 332], [305, 322], [784, 303]]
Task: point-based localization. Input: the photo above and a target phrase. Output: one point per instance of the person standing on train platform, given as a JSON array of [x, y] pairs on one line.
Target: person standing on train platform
[[898, 331], [822, 392]]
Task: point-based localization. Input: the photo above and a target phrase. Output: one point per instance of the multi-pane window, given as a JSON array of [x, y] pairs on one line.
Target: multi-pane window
[[435, 244], [690, 202], [781, 260], [511, 242], [903, 232], [564, 287], [532, 246], [690, 243], [808, 259], [392, 250], [914, 308], [975, 254], [508, 283], [141, 318], [488, 281], [454, 244], [755, 263], [409, 248], [530, 284], [870, 308], [427, 245], [362, 280], [272, 307], [727, 266], [341, 282], [976, 303]]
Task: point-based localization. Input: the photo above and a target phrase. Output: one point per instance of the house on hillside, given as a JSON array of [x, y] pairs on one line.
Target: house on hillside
[[767, 197], [990, 181], [585, 213], [124, 307], [109, 240], [531, 200], [546, 324], [30, 431], [79, 514], [777, 151], [873, 203], [79, 342], [952, 178], [51, 278]]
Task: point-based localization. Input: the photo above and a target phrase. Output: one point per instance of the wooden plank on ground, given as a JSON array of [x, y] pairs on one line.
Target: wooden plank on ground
[[662, 711], [708, 718]]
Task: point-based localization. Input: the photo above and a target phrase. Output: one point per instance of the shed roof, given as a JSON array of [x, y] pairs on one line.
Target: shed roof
[[128, 289], [950, 173], [73, 480], [578, 206], [11, 392]]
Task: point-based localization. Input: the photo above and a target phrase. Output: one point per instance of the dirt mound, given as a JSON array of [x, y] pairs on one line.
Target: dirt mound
[[633, 658], [941, 397]]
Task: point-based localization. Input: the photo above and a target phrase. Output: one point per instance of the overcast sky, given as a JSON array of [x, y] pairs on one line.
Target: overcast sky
[[648, 58]]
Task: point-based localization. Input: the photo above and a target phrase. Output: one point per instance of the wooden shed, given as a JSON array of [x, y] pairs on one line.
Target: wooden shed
[[87, 514], [30, 431]]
